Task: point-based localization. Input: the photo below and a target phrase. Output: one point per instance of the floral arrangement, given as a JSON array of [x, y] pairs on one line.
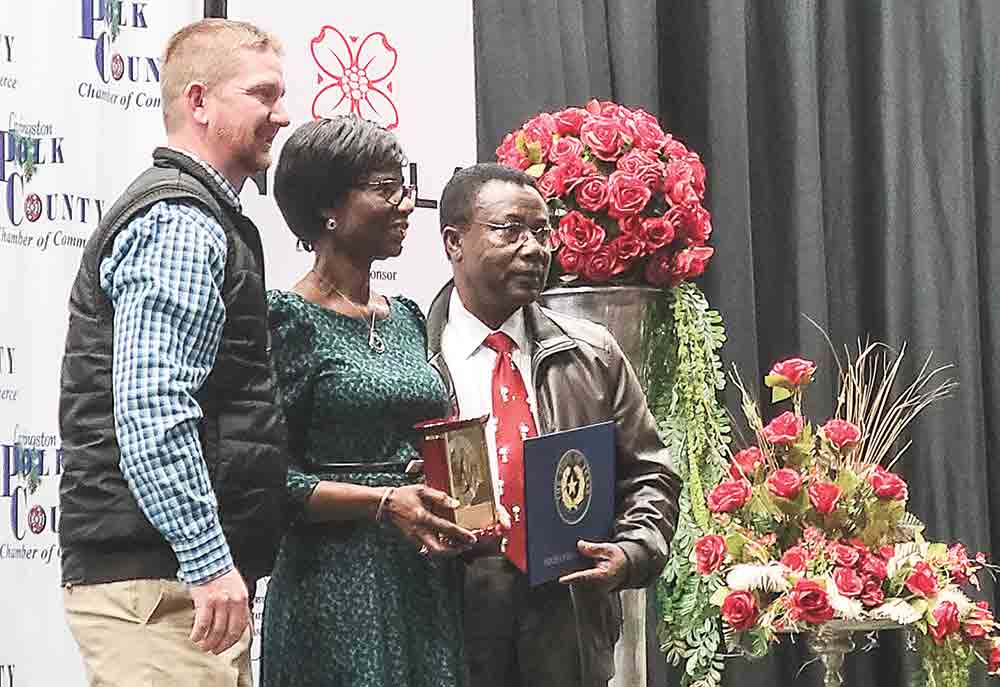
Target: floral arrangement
[[810, 526], [625, 196]]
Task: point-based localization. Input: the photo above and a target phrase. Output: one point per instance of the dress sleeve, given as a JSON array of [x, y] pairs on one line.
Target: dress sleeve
[[294, 372]]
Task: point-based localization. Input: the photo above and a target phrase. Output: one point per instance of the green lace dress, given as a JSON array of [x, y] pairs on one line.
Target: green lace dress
[[354, 604]]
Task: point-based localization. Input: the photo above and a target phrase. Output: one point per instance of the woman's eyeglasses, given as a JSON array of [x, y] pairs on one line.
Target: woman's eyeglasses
[[392, 191]]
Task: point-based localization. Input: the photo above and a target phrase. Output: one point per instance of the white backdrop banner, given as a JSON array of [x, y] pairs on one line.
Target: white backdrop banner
[[79, 117]]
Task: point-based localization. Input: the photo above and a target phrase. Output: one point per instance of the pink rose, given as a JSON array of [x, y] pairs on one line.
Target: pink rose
[[978, 623], [628, 195], [684, 180], [656, 232], [603, 136], [628, 247], [842, 434], [592, 194], [872, 594], [709, 552], [649, 134], [568, 121], [794, 371], [922, 581], [579, 233], [509, 154], [785, 483], [565, 149], [690, 263], [846, 556], [547, 184], [540, 130], [810, 602], [795, 559], [739, 610], [571, 261], [570, 173], [887, 485], [994, 662], [603, 264], [643, 165], [746, 462], [784, 429], [659, 269], [824, 496], [848, 582], [729, 496], [874, 567], [946, 621]]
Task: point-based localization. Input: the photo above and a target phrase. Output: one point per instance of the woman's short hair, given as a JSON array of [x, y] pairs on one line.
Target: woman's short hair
[[321, 161], [206, 51], [458, 199]]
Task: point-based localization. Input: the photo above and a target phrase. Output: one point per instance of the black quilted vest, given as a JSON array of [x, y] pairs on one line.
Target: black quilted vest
[[104, 535]]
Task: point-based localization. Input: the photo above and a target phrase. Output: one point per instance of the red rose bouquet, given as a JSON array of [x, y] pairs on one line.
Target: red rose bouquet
[[810, 526], [624, 196]]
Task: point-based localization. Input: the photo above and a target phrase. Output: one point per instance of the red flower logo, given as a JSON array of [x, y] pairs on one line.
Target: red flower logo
[[359, 76]]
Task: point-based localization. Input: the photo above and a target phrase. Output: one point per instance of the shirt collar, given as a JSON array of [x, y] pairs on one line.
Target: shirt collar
[[232, 197], [470, 331]]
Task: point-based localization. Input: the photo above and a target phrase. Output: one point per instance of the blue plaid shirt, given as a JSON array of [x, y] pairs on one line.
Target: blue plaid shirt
[[165, 276]]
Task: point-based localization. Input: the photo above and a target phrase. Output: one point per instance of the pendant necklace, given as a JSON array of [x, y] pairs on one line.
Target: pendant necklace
[[375, 340]]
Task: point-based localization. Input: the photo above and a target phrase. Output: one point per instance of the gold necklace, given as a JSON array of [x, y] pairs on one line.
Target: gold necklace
[[375, 340]]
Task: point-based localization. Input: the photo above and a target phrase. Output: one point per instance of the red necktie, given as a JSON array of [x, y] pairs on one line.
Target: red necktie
[[514, 425]]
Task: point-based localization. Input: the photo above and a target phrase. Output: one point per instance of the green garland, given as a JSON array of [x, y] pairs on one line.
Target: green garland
[[685, 377]]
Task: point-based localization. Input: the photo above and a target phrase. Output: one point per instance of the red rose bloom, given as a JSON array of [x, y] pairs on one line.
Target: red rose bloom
[[729, 496], [848, 582], [785, 482], [746, 462], [945, 615], [603, 136], [649, 135], [795, 371], [509, 154], [571, 261], [842, 434], [579, 233], [690, 263], [642, 165], [846, 556], [565, 149], [922, 581], [887, 485], [656, 232], [959, 563], [592, 194], [709, 552], [603, 264], [795, 559], [887, 551], [872, 594], [680, 181], [568, 121], [628, 194], [659, 269], [739, 609], [874, 567], [571, 173], [784, 429], [994, 663], [824, 496], [547, 184], [810, 602], [978, 623], [628, 247]]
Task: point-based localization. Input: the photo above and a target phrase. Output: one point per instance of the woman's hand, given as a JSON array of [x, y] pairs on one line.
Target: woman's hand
[[410, 508]]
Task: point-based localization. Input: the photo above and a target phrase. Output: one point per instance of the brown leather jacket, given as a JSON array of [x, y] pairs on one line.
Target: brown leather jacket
[[582, 377]]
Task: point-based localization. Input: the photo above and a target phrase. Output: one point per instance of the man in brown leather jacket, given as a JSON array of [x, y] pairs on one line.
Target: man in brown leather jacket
[[494, 224]]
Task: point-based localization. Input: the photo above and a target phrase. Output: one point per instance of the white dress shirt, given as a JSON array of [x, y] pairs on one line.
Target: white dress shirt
[[471, 366]]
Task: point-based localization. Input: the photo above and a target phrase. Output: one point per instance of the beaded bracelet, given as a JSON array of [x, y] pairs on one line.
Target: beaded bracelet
[[383, 502]]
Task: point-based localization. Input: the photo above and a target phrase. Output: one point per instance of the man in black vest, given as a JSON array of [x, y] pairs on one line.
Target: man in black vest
[[173, 446]]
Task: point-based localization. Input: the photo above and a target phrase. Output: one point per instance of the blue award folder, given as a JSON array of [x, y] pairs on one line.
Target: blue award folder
[[569, 494]]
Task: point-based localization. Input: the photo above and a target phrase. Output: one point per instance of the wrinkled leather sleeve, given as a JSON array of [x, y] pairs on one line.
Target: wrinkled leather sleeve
[[648, 489]]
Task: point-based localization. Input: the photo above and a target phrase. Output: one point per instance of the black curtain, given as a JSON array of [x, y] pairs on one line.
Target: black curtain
[[853, 151]]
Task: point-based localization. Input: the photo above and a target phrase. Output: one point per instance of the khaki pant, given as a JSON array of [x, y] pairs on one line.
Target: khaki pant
[[136, 633]]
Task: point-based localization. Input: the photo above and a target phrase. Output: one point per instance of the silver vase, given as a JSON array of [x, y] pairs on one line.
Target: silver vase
[[622, 309]]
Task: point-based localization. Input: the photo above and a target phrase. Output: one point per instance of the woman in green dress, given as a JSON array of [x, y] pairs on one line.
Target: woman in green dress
[[365, 591]]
